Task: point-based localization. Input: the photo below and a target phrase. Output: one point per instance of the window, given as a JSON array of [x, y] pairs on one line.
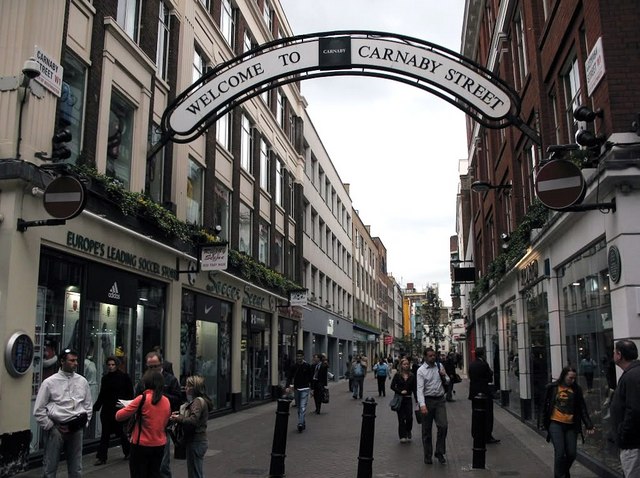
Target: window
[[155, 167], [162, 48], [278, 263], [127, 17], [223, 131], [221, 209], [246, 143], [245, 220], [265, 166], [291, 261], [198, 65], [247, 44], [120, 140], [195, 179], [572, 93], [521, 51], [280, 173], [280, 108], [71, 102], [292, 198], [263, 243], [206, 3], [267, 14], [226, 22]]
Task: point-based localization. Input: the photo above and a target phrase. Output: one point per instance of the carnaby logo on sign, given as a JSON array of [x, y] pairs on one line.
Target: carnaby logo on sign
[[113, 292], [334, 52]]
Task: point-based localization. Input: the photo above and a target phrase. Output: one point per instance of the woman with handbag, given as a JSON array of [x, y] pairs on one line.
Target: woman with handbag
[[150, 411], [404, 385], [193, 417]]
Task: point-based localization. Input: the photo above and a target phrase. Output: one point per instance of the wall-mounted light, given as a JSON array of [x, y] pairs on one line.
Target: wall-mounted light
[[505, 238], [483, 186]]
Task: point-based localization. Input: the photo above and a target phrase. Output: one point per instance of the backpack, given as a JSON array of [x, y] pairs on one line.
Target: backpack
[[381, 371], [358, 371]]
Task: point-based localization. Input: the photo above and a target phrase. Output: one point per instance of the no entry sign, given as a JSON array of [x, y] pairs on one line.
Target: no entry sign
[[560, 184], [64, 197]]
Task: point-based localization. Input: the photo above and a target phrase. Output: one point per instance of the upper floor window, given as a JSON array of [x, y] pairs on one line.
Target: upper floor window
[[245, 221], [206, 3], [263, 242], [221, 207], [280, 108], [227, 24], [267, 14], [246, 143], [265, 166], [521, 51], [195, 188], [280, 174], [162, 48], [572, 95], [223, 131], [155, 167], [71, 102], [199, 64], [127, 17], [120, 140]]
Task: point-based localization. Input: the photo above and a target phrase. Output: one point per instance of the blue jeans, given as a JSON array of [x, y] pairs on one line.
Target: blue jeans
[[54, 443], [565, 444], [195, 458], [358, 387], [302, 397], [165, 466]]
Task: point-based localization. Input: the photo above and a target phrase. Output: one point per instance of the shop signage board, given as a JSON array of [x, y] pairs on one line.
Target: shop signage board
[[559, 184], [298, 297], [214, 258]]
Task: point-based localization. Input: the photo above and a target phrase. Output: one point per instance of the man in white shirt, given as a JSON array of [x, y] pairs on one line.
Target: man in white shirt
[[431, 381], [63, 408]]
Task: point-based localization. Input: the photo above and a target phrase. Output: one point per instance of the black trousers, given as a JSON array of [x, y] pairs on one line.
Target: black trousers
[[145, 461], [318, 390], [405, 418], [111, 427], [381, 385]]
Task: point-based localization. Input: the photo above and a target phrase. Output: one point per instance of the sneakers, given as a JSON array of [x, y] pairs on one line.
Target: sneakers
[[441, 459], [428, 461], [492, 440], [300, 427], [403, 440], [99, 462]]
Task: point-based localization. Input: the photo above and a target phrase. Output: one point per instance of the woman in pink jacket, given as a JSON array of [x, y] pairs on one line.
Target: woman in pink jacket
[[149, 437]]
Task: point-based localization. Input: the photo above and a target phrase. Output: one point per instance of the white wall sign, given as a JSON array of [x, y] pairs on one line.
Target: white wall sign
[[594, 66], [50, 72], [214, 258]]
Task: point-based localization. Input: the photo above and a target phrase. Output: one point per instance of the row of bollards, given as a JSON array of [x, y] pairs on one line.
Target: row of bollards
[[367, 434]]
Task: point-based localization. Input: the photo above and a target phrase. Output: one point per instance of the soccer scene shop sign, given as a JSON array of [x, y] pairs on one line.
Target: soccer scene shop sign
[[442, 72]]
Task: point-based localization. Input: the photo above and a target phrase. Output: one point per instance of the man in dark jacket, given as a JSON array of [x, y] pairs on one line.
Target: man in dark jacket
[[115, 385], [625, 407], [299, 379], [320, 374], [480, 376]]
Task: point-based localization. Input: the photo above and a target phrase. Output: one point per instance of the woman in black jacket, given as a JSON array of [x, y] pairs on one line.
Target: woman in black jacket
[[564, 412], [404, 384]]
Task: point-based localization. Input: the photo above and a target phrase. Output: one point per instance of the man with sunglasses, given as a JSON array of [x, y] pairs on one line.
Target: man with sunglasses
[[63, 408]]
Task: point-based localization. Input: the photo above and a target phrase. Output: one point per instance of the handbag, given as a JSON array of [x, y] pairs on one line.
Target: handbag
[[177, 433], [418, 414], [325, 395], [136, 418], [395, 403], [456, 378]]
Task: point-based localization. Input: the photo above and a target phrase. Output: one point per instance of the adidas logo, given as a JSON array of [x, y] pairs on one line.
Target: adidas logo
[[113, 292]]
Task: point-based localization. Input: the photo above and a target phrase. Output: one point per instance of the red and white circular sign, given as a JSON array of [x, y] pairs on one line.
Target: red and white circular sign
[[64, 197], [560, 184]]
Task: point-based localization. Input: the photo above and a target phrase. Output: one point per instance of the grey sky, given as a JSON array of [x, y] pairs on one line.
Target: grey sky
[[397, 146]]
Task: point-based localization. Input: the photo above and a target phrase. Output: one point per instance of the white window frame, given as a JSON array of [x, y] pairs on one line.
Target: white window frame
[[227, 22], [162, 48], [265, 166], [246, 144]]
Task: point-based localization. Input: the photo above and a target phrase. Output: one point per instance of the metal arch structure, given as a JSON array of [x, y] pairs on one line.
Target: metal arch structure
[[466, 85]]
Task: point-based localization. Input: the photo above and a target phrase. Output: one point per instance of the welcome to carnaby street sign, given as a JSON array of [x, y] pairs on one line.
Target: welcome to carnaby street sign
[[442, 72]]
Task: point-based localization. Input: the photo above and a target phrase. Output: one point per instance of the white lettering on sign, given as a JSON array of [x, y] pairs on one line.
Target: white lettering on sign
[[50, 72], [214, 258], [594, 67]]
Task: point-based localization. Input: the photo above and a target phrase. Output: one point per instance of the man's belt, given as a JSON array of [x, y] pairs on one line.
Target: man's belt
[[434, 397]]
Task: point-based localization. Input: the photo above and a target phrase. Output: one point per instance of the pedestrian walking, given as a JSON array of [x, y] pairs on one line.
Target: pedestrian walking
[[115, 385], [625, 407], [431, 382], [450, 368], [194, 415], [299, 381], [564, 412], [480, 378], [171, 390], [63, 408], [347, 372], [587, 368], [319, 380], [381, 373], [149, 438], [357, 373], [404, 384]]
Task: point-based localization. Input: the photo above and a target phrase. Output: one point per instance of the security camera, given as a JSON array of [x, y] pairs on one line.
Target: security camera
[[31, 68]]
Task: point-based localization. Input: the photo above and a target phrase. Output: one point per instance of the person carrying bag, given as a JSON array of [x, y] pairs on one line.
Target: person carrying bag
[[404, 386]]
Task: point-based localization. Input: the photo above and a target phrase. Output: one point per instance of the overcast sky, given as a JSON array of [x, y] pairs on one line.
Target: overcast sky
[[397, 146]]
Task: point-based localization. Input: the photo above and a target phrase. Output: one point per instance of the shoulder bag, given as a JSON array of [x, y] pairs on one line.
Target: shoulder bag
[[136, 418], [395, 403]]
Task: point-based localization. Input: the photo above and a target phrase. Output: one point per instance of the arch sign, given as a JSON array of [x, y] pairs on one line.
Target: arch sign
[[448, 75]]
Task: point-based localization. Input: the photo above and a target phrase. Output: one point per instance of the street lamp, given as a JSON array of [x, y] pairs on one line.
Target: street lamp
[[482, 186]]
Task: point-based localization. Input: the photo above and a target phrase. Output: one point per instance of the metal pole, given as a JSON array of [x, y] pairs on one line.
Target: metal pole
[[279, 448], [367, 433], [479, 429]]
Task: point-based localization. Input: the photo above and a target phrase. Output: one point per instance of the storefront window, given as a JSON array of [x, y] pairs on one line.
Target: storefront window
[[513, 366], [586, 311], [287, 341], [255, 363], [539, 354], [205, 345], [98, 311]]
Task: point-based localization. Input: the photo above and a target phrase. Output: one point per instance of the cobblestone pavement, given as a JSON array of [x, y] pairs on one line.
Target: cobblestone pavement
[[240, 444]]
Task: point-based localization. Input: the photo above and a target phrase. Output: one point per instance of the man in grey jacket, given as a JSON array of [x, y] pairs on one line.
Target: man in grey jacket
[[63, 409]]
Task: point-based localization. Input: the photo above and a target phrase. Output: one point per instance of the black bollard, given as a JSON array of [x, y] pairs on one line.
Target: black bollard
[[367, 433], [279, 448], [479, 429]]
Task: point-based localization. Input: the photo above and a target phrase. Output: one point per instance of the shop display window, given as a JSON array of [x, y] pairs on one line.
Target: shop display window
[[255, 355]]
